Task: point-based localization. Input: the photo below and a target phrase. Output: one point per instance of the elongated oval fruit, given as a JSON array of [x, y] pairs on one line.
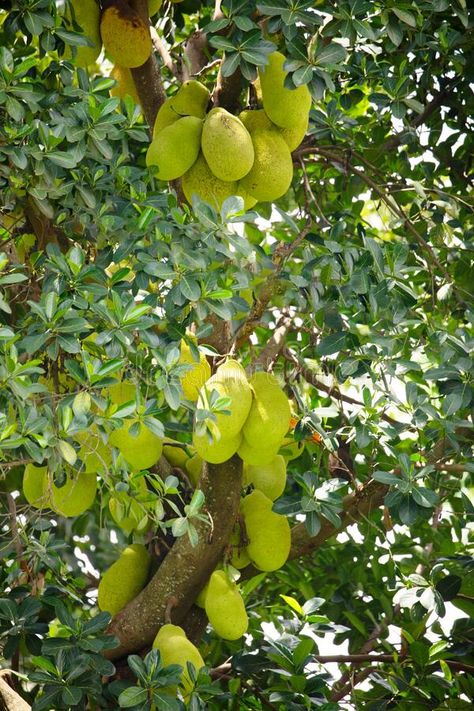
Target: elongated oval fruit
[[269, 417], [268, 533], [226, 145], [87, 15], [124, 579], [272, 170], [230, 381], [175, 148], [176, 648], [140, 451], [225, 607], [191, 99], [201, 181], [35, 486], [285, 107], [270, 478], [125, 35], [76, 496], [193, 380]]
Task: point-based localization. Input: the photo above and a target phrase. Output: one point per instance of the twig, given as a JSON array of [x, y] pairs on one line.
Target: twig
[[10, 700], [275, 344], [162, 50], [14, 527]]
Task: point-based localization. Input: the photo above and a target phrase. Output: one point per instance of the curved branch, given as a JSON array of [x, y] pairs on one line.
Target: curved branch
[[185, 569], [10, 700]]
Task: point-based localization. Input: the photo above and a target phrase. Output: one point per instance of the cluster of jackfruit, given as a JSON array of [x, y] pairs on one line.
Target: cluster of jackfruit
[[218, 154], [124, 579]]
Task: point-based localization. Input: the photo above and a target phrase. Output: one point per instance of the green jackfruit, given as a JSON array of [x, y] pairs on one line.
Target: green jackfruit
[[175, 148], [226, 145], [35, 486], [191, 99], [175, 648], [269, 417], [201, 181], [95, 454], [284, 107], [175, 452], [225, 607], [194, 468], [239, 557], [260, 455], [140, 451], [124, 579], [291, 449], [255, 119], [216, 451], [120, 393], [229, 381], [268, 533], [154, 6], [193, 380], [270, 478], [272, 170], [125, 35], [125, 85], [87, 15], [130, 510], [76, 496], [295, 134]]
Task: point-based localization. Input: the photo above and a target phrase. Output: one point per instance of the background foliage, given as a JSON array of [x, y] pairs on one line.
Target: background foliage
[[363, 271]]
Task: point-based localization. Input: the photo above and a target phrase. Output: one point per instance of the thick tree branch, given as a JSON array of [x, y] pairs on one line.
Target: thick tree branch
[[10, 700], [185, 569], [275, 344]]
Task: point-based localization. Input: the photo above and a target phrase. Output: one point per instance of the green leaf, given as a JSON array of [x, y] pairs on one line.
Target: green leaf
[[294, 604], [133, 696], [407, 17]]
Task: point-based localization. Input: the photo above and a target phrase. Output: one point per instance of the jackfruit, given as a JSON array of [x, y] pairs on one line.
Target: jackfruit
[[260, 455], [140, 451], [255, 119], [226, 145], [175, 148], [194, 468], [175, 452], [94, 453], [270, 478], [35, 486], [201, 181], [120, 393], [176, 648], [272, 170], [76, 496], [268, 533], [125, 35], [193, 380], [225, 607], [87, 16], [239, 557], [269, 417], [124, 579], [129, 510], [291, 449], [231, 382], [191, 99], [295, 134], [284, 107], [154, 6], [216, 451], [125, 85]]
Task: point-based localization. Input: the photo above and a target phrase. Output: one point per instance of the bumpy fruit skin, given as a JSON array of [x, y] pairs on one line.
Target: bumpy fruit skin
[[87, 16], [175, 648], [270, 478], [124, 579], [201, 181], [191, 99], [226, 145], [269, 417], [141, 451], [193, 380], [125, 35], [268, 532], [175, 148], [231, 382], [225, 607], [260, 455], [216, 451], [255, 119], [125, 85], [76, 496], [284, 107], [95, 455], [272, 170], [35, 486], [295, 134]]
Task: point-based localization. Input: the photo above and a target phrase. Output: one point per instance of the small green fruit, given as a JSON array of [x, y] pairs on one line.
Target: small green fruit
[[140, 451], [284, 107], [268, 532], [124, 579], [35, 486], [87, 15], [226, 145], [94, 453], [216, 451], [194, 468], [230, 381], [225, 607], [272, 170]]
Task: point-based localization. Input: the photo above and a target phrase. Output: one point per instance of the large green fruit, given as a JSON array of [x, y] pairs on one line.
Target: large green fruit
[[225, 607], [140, 451], [175, 148], [226, 145], [259, 455], [76, 496], [191, 99], [269, 417], [87, 15], [216, 451], [201, 181], [124, 579], [193, 380], [175, 452], [295, 134], [268, 533], [230, 381], [175, 648], [154, 6], [272, 170], [120, 393], [285, 107], [270, 478], [125, 35], [95, 454], [255, 119], [35, 486]]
